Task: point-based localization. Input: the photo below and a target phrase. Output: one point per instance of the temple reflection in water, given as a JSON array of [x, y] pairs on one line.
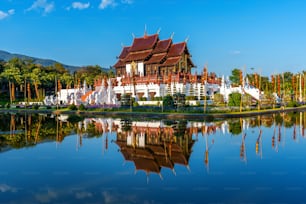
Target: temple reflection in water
[[150, 145], [60, 158]]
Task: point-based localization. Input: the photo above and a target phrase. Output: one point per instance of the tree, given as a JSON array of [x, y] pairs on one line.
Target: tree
[[234, 99], [235, 77], [12, 74], [168, 101]]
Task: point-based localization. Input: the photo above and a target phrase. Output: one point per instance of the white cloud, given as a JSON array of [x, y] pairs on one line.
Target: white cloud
[[235, 52], [80, 6], [42, 4], [11, 12], [4, 15], [106, 3]]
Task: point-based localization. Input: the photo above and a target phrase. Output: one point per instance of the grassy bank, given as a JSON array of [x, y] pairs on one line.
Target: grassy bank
[[116, 112]]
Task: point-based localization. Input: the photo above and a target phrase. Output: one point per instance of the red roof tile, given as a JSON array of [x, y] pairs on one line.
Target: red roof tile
[[171, 61], [177, 49], [134, 56], [120, 63], [156, 58], [162, 46], [144, 43], [124, 52]]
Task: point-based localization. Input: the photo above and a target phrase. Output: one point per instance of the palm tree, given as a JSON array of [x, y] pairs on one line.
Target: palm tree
[[13, 75]]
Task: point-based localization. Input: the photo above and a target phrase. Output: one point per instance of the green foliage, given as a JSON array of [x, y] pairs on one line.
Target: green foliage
[[191, 98], [82, 107], [168, 101], [72, 107], [234, 99], [218, 99], [293, 104], [142, 99], [75, 118], [135, 104], [35, 107], [157, 98], [235, 127], [235, 76]]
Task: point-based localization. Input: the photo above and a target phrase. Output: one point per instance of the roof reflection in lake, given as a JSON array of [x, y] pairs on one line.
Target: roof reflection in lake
[[75, 160]]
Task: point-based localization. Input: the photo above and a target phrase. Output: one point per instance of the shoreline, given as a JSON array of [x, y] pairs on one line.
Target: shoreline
[[159, 115]]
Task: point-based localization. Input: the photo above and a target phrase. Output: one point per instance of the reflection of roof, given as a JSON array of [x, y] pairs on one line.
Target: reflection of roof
[[179, 158], [148, 165], [164, 161]]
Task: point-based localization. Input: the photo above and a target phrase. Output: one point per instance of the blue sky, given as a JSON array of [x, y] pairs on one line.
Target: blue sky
[[269, 35]]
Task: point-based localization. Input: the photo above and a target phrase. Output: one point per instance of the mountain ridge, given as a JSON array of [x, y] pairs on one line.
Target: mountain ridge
[[6, 56]]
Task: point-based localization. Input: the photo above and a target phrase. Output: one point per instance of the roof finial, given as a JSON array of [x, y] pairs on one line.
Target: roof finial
[[145, 30], [186, 40], [133, 35], [172, 35], [158, 31]]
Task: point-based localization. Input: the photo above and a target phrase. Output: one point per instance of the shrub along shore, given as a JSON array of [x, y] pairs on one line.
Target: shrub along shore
[[140, 113]]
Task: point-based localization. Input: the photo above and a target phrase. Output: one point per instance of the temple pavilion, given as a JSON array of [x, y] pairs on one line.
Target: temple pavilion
[[152, 67]]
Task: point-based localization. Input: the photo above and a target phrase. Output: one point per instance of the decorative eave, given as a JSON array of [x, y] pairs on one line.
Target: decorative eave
[[171, 61], [138, 56], [156, 58]]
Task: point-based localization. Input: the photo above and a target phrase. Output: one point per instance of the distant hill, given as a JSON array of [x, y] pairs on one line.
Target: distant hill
[[6, 56]]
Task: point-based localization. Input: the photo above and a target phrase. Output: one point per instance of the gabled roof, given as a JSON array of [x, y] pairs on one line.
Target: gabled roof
[[134, 56], [144, 43], [177, 49], [171, 61], [124, 52], [156, 58], [162, 46], [120, 63]]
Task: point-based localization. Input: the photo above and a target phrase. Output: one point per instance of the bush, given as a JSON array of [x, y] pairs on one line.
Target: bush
[[293, 104], [234, 99], [82, 107], [35, 107], [135, 104], [72, 107]]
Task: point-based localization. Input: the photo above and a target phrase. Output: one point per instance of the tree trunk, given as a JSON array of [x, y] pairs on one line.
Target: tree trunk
[[10, 90], [36, 90], [29, 91], [13, 91]]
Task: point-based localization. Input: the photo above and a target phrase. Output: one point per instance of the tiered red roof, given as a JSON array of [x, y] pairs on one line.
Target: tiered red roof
[[162, 46], [156, 58], [144, 43], [177, 49], [124, 52], [151, 50]]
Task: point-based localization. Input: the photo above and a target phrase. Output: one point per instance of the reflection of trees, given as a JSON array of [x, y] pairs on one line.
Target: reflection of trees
[[20, 131], [235, 127]]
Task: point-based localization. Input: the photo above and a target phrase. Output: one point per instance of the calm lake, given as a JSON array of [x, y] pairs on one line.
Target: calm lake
[[50, 159]]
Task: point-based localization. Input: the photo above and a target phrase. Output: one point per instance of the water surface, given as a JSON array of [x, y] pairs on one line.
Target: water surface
[[49, 159]]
